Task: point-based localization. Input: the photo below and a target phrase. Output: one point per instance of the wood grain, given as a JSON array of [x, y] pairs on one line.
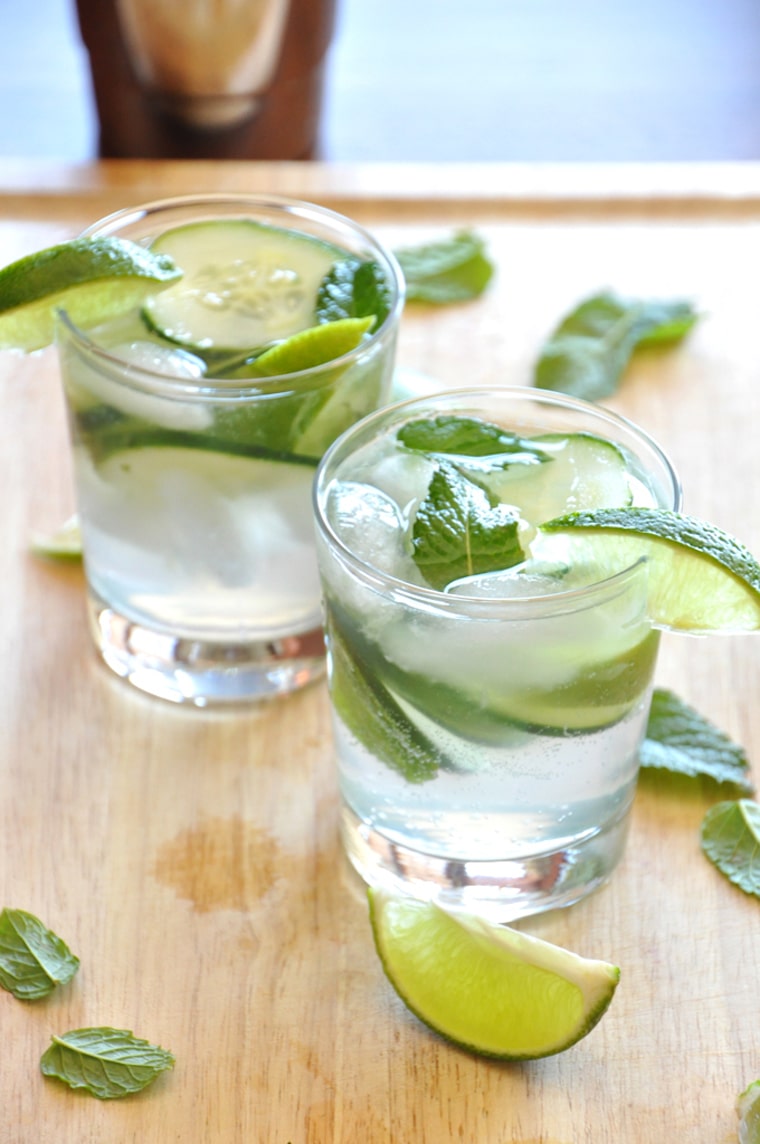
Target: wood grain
[[191, 859]]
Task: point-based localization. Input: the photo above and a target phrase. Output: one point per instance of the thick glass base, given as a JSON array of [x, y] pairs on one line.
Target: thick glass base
[[204, 673], [499, 890]]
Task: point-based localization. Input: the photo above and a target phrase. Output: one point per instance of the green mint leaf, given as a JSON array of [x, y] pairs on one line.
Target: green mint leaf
[[33, 960], [453, 270], [679, 739], [590, 348], [107, 1063], [449, 435], [458, 532], [354, 289], [731, 840], [372, 715]]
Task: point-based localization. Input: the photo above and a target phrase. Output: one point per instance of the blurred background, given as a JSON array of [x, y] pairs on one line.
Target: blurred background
[[484, 80]]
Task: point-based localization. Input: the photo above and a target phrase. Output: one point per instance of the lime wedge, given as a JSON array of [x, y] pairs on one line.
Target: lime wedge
[[748, 1108], [63, 543], [92, 279], [489, 989], [312, 347], [700, 579]]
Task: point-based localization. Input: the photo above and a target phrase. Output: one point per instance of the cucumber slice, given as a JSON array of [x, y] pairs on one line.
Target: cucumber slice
[[244, 284], [370, 713], [583, 471]]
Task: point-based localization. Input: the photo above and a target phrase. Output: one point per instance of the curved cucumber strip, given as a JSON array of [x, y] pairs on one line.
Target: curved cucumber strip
[[370, 713], [103, 431], [598, 695], [175, 501], [244, 284]]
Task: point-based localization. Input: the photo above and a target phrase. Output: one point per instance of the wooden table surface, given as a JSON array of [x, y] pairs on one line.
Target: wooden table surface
[[191, 860]]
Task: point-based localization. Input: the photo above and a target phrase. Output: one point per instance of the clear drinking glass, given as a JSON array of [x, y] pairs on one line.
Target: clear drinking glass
[[194, 491], [486, 734]]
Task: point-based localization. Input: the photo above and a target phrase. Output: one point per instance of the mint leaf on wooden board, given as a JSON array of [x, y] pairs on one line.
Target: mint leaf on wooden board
[[731, 840], [451, 435], [451, 270], [587, 353], [679, 739], [33, 960], [107, 1063], [354, 289], [458, 532]]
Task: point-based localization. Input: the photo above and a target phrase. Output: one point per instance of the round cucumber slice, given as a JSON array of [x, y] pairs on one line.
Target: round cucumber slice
[[596, 693], [244, 284], [584, 471]]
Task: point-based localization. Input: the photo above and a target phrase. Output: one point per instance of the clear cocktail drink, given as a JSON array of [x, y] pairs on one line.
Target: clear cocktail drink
[[197, 425], [489, 695]]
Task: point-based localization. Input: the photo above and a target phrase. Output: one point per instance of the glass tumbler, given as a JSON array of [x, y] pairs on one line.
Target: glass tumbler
[[486, 731], [193, 489]]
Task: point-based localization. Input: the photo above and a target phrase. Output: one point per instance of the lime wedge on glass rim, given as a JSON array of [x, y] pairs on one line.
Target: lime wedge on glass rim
[[92, 279], [489, 989], [700, 579]]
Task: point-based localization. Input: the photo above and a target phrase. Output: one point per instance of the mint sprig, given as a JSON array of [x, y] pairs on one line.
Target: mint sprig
[[588, 351], [108, 1063], [33, 959], [731, 840], [679, 739], [459, 532], [451, 270]]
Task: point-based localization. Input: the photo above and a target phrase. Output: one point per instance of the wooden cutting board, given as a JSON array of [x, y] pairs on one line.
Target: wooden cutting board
[[191, 860]]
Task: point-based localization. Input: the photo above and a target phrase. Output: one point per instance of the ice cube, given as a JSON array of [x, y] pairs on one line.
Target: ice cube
[[170, 361], [172, 413], [403, 477], [370, 525], [529, 579]]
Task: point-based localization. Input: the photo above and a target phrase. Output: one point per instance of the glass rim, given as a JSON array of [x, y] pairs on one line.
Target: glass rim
[[214, 387], [424, 597]]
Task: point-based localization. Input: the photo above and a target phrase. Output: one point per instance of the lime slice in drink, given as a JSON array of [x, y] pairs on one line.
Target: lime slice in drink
[[748, 1108], [307, 349], [63, 543], [92, 279], [699, 578], [489, 989]]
